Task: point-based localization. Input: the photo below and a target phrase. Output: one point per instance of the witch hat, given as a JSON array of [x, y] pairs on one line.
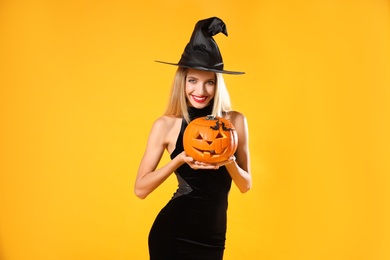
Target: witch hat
[[202, 51]]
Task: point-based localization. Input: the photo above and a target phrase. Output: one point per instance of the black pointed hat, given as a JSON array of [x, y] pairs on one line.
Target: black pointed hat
[[202, 51]]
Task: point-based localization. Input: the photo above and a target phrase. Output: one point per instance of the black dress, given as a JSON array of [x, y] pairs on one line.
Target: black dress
[[193, 223]]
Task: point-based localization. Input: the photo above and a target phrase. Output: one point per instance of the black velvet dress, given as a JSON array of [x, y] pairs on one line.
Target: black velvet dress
[[193, 223]]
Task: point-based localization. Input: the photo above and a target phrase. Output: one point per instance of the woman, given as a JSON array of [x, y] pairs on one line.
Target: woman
[[193, 223]]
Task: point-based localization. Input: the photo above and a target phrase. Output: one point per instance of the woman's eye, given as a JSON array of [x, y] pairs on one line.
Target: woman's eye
[[211, 82], [191, 80]]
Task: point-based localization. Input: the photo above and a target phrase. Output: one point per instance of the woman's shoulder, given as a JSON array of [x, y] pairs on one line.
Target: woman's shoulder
[[234, 116], [240, 124], [165, 122], [166, 129]]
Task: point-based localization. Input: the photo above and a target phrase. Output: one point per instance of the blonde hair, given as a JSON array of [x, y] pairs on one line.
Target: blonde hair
[[178, 104]]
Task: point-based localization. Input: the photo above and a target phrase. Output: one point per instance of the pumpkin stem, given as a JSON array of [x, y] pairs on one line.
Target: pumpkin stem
[[210, 117]]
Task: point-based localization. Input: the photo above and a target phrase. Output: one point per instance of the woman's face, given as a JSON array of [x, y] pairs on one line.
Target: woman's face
[[200, 87]]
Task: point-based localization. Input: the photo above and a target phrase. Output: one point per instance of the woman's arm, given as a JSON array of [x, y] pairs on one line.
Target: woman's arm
[[148, 178], [239, 169]]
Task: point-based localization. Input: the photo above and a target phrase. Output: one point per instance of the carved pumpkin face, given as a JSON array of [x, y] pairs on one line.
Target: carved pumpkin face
[[210, 139]]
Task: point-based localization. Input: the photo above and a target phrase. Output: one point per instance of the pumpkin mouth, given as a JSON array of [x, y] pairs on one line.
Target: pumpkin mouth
[[211, 152]]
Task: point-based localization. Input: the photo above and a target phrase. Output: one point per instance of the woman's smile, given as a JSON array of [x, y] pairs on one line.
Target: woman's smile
[[199, 99]]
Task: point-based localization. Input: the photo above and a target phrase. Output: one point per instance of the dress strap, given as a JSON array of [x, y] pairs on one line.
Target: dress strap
[[179, 142]]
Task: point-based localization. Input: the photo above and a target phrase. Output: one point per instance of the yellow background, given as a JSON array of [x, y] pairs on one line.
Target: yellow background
[[79, 91]]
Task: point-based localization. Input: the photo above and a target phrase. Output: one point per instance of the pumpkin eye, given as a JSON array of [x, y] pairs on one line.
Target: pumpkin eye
[[199, 137], [219, 136]]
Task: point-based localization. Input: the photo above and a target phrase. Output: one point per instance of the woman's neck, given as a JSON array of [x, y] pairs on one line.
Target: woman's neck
[[199, 112]]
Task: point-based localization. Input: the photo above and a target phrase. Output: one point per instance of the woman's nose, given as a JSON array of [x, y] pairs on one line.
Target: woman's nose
[[201, 89]]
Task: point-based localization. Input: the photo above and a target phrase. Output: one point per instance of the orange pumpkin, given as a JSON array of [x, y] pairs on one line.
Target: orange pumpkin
[[210, 139]]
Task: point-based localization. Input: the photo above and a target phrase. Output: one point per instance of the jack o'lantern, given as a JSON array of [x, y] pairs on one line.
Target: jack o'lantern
[[210, 139]]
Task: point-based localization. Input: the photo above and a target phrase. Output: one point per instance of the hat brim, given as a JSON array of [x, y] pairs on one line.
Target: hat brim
[[203, 68]]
